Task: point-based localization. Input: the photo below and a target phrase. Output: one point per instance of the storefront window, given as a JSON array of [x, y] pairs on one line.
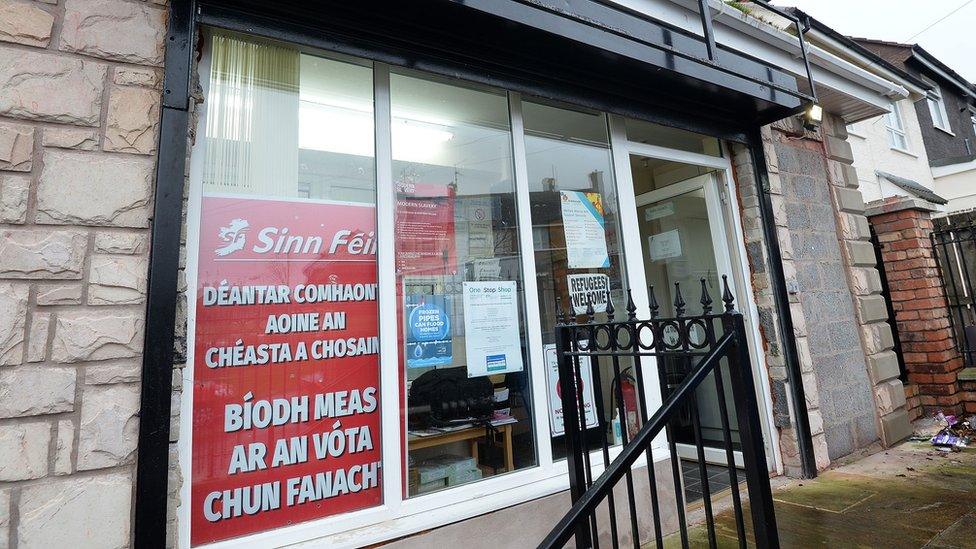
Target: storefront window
[[284, 397], [285, 389], [649, 133], [578, 255], [458, 269]]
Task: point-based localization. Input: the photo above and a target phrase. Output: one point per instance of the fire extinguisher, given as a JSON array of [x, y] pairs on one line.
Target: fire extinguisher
[[628, 394]]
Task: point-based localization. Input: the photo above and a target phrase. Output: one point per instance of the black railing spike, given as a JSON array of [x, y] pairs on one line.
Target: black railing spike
[[560, 313], [590, 312], [706, 300], [631, 307], [610, 309], [727, 296], [652, 302], [679, 301]]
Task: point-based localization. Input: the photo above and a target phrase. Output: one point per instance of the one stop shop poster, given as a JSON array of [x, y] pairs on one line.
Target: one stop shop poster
[[286, 418]]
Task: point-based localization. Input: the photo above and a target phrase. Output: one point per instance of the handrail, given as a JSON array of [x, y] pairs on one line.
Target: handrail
[[563, 530], [678, 344]]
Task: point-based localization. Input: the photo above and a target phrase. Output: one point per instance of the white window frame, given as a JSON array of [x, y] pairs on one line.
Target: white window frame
[[895, 126], [937, 107], [398, 516]]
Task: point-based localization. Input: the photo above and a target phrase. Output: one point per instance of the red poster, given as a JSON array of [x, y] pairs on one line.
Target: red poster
[[286, 419], [425, 229]]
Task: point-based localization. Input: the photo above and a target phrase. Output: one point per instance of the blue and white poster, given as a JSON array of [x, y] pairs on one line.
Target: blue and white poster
[[428, 330], [584, 229]]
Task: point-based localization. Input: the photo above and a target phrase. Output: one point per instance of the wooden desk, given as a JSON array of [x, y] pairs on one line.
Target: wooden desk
[[472, 435]]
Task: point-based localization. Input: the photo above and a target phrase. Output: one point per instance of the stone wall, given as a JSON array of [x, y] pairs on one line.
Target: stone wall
[[79, 111], [843, 345], [860, 262], [760, 266]]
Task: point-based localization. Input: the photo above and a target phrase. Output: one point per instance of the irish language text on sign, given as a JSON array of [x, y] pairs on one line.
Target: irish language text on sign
[[285, 365]]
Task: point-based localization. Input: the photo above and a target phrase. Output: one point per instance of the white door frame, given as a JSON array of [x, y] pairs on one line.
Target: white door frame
[[726, 229], [708, 183]]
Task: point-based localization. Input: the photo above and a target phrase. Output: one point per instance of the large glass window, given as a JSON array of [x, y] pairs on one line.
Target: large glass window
[[578, 255], [285, 386], [283, 409], [649, 133], [459, 272]]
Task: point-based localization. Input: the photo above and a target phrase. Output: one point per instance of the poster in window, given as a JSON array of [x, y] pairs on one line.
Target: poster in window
[[666, 245], [285, 417], [588, 289], [555, 391], [583, 227], [491, 328], [428, 330], [475, 216], [425, 229]]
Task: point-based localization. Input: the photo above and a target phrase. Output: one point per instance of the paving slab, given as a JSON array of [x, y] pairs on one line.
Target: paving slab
[[908, 496]]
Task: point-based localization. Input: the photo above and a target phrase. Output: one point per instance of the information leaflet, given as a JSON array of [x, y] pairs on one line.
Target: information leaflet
[[425, 229], [491, 328], [583, 227], [286, 419]]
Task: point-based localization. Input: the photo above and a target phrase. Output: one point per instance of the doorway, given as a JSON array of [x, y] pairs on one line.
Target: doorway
[[684, 243]]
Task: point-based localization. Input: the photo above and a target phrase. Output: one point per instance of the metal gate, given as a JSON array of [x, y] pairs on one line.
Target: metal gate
[[954, 241], [713, 350]]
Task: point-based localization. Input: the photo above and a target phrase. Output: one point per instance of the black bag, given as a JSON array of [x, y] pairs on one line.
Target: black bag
[[445, 396]]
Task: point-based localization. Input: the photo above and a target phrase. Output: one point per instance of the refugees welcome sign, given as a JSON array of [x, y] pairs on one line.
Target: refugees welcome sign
[[286, 419]]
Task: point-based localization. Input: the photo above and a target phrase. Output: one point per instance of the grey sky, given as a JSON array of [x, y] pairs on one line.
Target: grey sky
[[951, 40]]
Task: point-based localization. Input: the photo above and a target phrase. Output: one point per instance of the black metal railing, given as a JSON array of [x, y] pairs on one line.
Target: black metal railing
[[709, 345], [954, 241]]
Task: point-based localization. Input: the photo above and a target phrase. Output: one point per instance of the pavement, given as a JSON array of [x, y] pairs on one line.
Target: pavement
[[907, 496]]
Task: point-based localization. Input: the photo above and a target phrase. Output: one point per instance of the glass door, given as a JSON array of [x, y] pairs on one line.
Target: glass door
[[683, 241]]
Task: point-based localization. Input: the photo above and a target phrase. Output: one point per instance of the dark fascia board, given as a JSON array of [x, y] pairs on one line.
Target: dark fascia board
[[857, 48], [621, 47]]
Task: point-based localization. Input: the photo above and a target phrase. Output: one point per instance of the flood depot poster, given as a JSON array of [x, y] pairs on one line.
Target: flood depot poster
[[286, 418], [429, 340]]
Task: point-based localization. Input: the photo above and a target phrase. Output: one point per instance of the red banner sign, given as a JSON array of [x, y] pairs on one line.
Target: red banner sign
[[286, 418]]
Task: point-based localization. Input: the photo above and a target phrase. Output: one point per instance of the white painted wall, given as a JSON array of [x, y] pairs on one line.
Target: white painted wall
[[869, 141], [959, 189]]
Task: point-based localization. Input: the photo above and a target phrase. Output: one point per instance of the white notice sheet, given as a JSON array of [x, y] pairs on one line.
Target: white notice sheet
[[491, 328]]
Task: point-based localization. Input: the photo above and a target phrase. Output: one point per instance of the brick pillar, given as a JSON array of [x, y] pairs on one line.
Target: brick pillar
[[904, 228]]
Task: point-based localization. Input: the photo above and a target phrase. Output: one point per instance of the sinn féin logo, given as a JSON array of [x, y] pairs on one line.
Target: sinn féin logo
[[233, 235]]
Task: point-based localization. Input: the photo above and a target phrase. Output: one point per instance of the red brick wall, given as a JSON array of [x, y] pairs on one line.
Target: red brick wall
[[927, 344]]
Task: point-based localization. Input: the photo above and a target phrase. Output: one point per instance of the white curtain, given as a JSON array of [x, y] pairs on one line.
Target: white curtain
[[252, 118]]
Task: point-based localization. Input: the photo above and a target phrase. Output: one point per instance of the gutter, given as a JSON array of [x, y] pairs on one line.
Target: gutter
[[730, 22], [909, 88], [920, 55]]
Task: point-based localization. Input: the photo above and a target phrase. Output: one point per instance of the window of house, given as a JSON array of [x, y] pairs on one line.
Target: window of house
[[937, 108], [897, 138]]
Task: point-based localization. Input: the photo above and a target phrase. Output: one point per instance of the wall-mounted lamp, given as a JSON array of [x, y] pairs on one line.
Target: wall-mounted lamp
[[813, 117]]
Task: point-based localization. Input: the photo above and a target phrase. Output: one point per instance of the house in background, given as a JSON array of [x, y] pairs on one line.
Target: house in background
[[946, 118]]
